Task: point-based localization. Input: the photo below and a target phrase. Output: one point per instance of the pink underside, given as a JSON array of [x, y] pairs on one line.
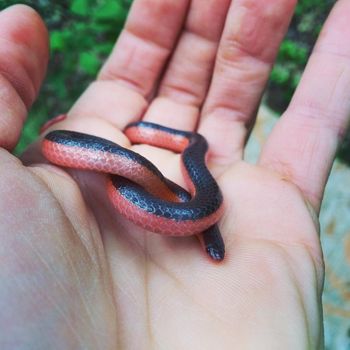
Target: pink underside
[[159, 224], [158, 138], [81, 158], [161, 139]]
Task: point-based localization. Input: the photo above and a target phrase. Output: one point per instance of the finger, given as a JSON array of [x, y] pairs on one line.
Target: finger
[[189, 71], [144, 45], [252, 35], [130, 74], [303, 144], [23, 61]]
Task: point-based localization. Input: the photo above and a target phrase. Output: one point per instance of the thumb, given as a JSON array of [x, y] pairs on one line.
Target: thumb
[[23, 62]]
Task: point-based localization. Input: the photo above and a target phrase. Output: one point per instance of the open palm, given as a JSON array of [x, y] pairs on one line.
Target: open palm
[[76, 275]]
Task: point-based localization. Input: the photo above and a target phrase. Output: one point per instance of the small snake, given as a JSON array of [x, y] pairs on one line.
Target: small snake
[[139, 191]]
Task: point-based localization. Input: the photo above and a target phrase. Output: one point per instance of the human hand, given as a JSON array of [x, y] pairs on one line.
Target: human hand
[[77, 275]]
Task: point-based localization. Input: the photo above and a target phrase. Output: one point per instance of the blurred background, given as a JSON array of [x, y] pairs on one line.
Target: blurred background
[[83, 32]]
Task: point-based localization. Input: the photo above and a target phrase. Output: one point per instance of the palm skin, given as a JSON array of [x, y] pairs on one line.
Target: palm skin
[[77, 275], [140, 290]]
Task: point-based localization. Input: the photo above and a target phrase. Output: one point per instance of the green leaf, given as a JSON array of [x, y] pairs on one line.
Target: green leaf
[[293, 51], [110, 10], [280, 74], [89, 63], [80, 7], [57, 41]]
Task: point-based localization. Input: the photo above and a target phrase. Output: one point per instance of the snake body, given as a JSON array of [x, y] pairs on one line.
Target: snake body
[[139, 191]]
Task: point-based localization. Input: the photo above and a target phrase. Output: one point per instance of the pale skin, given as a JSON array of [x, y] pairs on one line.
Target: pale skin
[[75, 275]]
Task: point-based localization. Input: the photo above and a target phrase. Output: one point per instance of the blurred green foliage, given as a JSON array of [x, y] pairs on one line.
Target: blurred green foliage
[[293, 55], [295, 50], [83, 32]]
